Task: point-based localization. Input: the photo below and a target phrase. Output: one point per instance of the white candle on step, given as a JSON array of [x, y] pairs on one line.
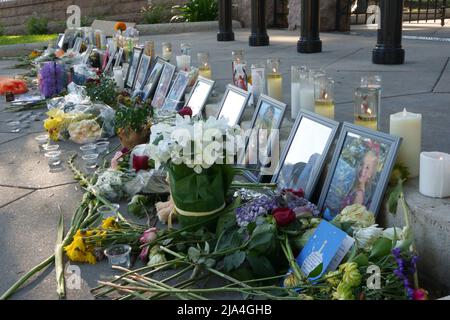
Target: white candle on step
[[435, 174], [408, 126], [307, 97]]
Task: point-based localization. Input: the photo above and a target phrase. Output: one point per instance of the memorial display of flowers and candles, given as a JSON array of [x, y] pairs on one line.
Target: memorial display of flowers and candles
[[187, 204]]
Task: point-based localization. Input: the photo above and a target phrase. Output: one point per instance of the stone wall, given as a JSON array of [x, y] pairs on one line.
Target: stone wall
[[14, 13], [242, 12]]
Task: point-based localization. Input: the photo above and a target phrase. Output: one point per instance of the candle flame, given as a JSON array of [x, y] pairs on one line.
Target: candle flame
[[369, 111], [274, 70]]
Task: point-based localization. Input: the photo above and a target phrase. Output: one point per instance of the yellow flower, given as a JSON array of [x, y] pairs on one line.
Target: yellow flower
[[110, 223], [291, 281], [343, 292], [356, 214], [54, 122], [78, 251], [333, 278], [34, 54], [351, 276], [302, 296]]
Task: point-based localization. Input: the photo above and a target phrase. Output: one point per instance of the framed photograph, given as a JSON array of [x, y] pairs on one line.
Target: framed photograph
[[304, 156], [360, 170], [142, 73], [60, 41], [199, 95], [111, 59], [164, 85], [87, 53], [262, 145], [77, 45], [153, 78], [176, 93], [233, 104], [134, 64], [118, 58]]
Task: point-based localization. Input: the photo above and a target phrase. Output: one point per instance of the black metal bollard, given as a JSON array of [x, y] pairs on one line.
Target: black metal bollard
[[259, 36], [310, 26], [225, 22], [389, 44]]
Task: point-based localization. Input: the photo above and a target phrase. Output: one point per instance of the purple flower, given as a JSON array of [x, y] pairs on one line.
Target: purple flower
[[52, 79], [253, 209]]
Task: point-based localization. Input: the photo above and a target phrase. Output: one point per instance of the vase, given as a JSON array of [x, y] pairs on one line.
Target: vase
[[199, 197], [130, 138]]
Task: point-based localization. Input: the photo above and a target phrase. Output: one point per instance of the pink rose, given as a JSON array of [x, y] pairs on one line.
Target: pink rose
[[147, 237]]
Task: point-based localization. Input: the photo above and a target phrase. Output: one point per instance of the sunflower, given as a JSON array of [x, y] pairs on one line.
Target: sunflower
[[78, 251], [120, 26]]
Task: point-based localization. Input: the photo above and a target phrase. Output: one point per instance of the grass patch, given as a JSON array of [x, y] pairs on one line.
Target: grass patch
[[7, 40]]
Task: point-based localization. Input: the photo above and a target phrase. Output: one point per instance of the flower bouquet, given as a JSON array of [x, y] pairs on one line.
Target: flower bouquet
[[193, 152]]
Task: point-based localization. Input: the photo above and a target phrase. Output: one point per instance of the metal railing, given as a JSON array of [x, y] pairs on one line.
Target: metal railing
[[365, 11]]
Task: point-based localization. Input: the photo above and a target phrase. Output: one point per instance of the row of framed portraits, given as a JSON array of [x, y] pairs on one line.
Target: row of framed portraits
[[358, 163]]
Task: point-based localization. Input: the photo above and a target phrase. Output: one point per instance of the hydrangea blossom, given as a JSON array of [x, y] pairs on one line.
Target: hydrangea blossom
[[254, 209]]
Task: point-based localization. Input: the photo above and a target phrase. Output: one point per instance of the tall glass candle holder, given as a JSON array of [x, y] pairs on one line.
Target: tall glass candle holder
[[167, 51], [186, 49], [296, 79], [366, 107], [149, 48], [324, 96], [373, 81], [258, 81], [184, 62], [204, 68], [306, 90], [118, 77], [274, 79]]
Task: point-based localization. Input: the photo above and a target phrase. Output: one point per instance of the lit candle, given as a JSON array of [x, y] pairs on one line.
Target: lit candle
[[324, 97], [435, 174], [204, 68], [167, 51], [307, 96], [184, 62], [205, 72], [274, 80], [366, 107], [408, 126], [149, 48]]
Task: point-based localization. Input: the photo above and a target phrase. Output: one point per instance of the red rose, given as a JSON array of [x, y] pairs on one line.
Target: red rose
[[186, 111], [140, 162], [125, 150], [298, 193], [283, 216]]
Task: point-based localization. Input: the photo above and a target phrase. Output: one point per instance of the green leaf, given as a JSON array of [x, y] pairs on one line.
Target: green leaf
[[260, 265], [393, 197], [381, 248], [361, 259], [316, 272], [234, 261], [194, 254], [263, 238]]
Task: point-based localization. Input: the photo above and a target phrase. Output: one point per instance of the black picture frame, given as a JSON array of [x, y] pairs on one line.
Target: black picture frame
[[319, 163], [111, 58], [231, 89], [118, 58], [176, 92], [354, 131], [60, 41], [142, 73], [252, 175], [164, 83], [153, 78], [197, 98], [134, 65]]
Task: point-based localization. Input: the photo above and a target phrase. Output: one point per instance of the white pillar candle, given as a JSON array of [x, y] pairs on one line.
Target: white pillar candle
[[295, 99], [118, 77], [408, 126], [275, 86], [307, 97], [184, 62], [435, 174]]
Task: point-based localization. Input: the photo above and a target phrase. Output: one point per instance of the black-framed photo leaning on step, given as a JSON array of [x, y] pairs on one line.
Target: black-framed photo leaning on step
[[163, 85], [261, 153], [142, 73], [153, 78], [233, 104], [111, 59], [199, 95], [305, 153], [60, 41], [176, 93], [360, 170], [132, 69], [118, 58]]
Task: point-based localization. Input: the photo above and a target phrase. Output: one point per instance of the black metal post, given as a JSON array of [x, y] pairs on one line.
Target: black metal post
[[225, 23], [389, 44], [259, 36], [444, 7], [310, 25]]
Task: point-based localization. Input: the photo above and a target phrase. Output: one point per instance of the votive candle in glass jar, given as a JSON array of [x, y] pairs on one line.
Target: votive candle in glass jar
[[258, 81], [54, 159], [42, 141], [366, 107], [184, 62], [204, 68], [296, 79], [324, 96], [274, 79], [90, 160], [373, 81], [167, 51], [186, 49], [149, 48]]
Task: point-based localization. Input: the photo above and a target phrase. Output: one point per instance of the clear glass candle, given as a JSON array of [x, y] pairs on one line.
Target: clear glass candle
[[51, 147], [296, 79], [102, 147], [375, 82], [324, 96], [88, 148], [204, 68], [258, 81], [53, 159], [42, 140], [149, 48], [366, 107], [107, 211], [90, 160], [167, 51], [14, 125], [186, 48], [274, 79], [119, 255]]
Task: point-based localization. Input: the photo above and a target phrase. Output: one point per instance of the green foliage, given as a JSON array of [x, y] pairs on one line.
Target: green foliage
[[197, 10], [135, 118], [36, 25], [104, 91], [86, 21], [157, 13]]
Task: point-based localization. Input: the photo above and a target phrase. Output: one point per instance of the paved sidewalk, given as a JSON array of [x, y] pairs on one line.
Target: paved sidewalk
[[30, 195]]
